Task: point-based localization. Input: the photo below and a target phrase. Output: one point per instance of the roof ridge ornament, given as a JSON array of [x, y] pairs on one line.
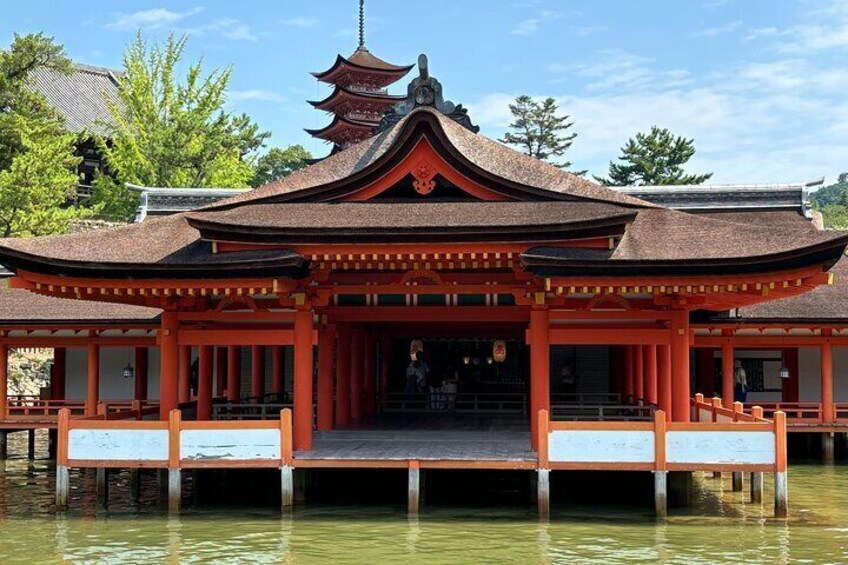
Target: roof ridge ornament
[[425, 90]]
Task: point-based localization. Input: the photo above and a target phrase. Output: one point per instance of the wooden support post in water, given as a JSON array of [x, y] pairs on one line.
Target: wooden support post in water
[[286, 460], [175, 488], [543, 493], [828, 447], [31, 444], [4, 448], [661, 465], [102, 487], [63, 487], [661, 493], [737, 481], [286, 488], [781, 495], [62, 476], [135, 484], [413, 489], [756, 487]]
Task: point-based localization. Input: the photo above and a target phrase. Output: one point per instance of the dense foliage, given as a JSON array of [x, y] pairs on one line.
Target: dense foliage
[[38, 168], [168, 132], [278, 163], [538, 131], [832, 202], [655, 158]]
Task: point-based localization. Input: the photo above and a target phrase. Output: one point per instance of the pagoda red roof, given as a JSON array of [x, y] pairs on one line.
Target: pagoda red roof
[[343, 100], [362, 68], [342, 131]]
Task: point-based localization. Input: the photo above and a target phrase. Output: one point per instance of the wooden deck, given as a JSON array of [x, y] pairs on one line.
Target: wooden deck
[[421, 445]]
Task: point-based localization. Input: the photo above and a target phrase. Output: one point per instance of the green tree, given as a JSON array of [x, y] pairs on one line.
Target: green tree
[[169, 132], [38, 168], [278, 163], [654, 158], [832, 202], [539, 131]]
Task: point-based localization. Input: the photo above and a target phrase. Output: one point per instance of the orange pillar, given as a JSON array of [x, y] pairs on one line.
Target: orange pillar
[[220, 371], [639, 372], [257, 372], [168, 363], [303, 362], [277, 369], [540, 368], [325, 379], [680, 366], [649, 356], [629, 377], [343, 377], [59, 372], [664, 379], [233, 373], [185, 374], [727, 375], [93, 387], [204, 383], [369, 374], [357, 358], [827, 381], [4, 381]]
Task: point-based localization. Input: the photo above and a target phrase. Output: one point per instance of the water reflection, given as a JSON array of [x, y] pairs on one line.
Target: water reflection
[[722, 527]]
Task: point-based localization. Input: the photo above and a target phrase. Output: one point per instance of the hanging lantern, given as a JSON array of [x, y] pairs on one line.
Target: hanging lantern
[[499, 351], [128, 371], [466, 359], [784, 372], [489, 360]]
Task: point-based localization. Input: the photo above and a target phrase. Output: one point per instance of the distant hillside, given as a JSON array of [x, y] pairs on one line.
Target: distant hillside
[[832, 202]]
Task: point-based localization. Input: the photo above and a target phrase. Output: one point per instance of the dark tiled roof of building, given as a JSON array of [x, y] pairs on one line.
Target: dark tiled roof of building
[[480, 151], [19, 306], [81, 96], [824, 303]]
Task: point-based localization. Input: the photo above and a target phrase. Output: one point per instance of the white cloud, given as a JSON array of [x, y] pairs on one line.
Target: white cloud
[[150, 19], [300, 22], [822, 29], [526, 27], [586, 31], [256, 94], [729, 27]]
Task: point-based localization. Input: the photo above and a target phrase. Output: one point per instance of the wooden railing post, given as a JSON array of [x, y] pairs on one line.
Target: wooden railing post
[[738, 408], [716, 406], [286, 460], [174, 475], [757, 412], [781, 499], [62, 474], [660, 465]]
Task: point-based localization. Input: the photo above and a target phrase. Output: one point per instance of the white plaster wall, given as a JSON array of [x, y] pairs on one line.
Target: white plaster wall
[[601, 446], [230, 445], [118, 445], [113, 386], [809, 369], [720, 447]]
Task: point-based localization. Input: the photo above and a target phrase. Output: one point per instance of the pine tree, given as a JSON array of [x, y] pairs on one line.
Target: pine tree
[[656, 158], [539, 131]]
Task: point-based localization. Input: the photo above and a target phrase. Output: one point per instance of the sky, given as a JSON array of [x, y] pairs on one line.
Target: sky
[[759, 84]]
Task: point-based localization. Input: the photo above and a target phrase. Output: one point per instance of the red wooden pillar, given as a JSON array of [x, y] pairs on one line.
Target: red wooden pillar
[[369, 374], [325, 379], [220, 371], [185, 374], [169, 363], [257, 371], [827, 381], [93, 385], [639, 371], [649, 356], [705, 383], [727, 375], [278, 369], [58, 376], [790, 387], [680, 366], [664, 379], [629, 376], [204, 383], [357, 359], [343, 377], [303, 361], [385, 345], [540, 369], [4, 381], [233, 373], [140, 373]]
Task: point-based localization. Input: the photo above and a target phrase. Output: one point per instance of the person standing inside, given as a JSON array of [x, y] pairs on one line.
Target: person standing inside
[[740, 383]]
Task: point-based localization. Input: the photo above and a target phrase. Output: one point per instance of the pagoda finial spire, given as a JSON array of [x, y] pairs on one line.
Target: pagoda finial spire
[[362, 23]]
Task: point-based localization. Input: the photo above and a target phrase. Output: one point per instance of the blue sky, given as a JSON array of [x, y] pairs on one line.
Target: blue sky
[[760, 84]]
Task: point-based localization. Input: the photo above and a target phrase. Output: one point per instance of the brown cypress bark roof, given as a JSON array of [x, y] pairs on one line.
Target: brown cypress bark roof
[[18, 306]]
